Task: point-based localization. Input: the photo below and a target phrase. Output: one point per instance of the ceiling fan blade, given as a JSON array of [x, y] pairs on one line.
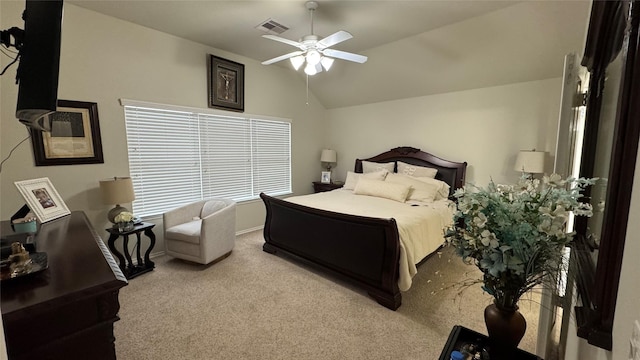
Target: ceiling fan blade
[[282, 57], [286, 41], [333, 39], [345, 55]]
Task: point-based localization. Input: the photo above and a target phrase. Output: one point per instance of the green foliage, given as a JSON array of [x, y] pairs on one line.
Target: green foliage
[[516, 234]]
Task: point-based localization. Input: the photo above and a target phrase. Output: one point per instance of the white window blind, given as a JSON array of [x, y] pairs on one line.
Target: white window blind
[[181, 156]]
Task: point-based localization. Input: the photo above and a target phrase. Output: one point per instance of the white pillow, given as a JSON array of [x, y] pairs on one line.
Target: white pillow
[[443, 187], [369, 166], [415, 170], [352, 178], [383, 189], [420, 190]]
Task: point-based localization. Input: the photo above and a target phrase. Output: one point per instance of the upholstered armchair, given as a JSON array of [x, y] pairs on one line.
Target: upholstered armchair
[[201, 232]]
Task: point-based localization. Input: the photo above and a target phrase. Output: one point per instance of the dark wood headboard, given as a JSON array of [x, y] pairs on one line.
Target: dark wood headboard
[[451, 172]]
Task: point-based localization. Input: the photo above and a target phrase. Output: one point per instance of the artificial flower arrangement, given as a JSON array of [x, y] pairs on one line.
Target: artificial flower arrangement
[[123, 217], [516, 234]]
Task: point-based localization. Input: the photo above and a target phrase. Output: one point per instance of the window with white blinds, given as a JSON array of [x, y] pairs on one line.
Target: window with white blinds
[[181, 155]]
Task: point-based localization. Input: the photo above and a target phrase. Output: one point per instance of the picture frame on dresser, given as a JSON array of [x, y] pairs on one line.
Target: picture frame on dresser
[[42, 199], [225, 84], [74, 138]]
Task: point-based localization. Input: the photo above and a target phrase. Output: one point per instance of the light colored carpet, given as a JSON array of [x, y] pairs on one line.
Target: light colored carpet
[[254, 305]]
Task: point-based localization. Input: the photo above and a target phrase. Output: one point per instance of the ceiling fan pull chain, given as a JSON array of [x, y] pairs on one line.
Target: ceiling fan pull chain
[[307, 89]]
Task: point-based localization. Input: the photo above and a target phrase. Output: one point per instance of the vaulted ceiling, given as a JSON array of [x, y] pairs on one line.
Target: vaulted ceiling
[[415, 48]]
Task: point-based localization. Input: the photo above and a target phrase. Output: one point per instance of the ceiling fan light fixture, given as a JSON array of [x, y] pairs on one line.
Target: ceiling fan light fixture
[[297, 61], [313, 57], [310, 69], [326, 62], [311, 49]]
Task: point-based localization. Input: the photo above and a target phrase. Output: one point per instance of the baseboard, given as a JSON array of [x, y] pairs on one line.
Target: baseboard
[[250, 230], [241, 232]]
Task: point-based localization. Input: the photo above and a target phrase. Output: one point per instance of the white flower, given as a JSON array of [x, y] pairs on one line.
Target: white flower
[[480, 220], [124, 216]]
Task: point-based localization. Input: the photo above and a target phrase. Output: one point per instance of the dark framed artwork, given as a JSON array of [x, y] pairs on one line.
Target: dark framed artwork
[[74, 137], [225, 83]]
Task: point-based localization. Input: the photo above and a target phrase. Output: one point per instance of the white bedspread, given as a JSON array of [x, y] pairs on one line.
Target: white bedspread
[[420, 227]]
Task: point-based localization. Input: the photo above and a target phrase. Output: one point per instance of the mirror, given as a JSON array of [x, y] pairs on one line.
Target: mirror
[[609, 153]]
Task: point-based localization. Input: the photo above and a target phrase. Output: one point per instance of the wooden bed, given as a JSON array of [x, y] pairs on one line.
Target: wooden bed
[[362, 250]]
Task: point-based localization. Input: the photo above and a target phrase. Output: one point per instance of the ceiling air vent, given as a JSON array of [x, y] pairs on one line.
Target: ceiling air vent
[[272, 26]]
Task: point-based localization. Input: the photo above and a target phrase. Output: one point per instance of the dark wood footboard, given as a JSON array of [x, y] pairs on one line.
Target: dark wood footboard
[[362, 250]]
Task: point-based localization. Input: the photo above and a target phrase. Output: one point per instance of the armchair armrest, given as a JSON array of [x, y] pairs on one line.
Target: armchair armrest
[[219, 221], [182, 214]]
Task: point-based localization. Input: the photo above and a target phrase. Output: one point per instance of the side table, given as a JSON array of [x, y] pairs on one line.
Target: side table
[[128, 268], [321, 187], [460, 335]]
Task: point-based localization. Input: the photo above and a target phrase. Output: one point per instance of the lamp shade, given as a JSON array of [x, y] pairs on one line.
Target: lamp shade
[[530, 161], [328, 156], [118, 190]]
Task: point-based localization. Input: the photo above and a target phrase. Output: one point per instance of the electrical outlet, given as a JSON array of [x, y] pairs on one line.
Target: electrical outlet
[[634, 342]]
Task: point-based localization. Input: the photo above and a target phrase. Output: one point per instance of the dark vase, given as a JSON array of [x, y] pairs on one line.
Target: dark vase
[[506, 327]]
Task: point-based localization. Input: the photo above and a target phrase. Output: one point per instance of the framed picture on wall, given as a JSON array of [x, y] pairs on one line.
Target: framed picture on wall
[[74, 137], [42, 199], [225, 84]]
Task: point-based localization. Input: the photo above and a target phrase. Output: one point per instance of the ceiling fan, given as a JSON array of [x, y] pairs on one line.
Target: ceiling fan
[[314, 51]]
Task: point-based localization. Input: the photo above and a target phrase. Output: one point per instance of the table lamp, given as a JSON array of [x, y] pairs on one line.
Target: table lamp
[[116, 191], [530, 162], [329, 157]]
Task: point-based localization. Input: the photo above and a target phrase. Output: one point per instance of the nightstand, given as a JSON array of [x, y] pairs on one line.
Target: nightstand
[[320, 187]]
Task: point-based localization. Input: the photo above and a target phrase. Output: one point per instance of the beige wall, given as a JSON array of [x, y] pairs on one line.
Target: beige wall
[[104, 59], [484, 127]]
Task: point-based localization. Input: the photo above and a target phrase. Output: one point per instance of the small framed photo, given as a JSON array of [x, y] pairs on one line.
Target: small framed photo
[[326, 177], [42, 199], [74, 137], [226, 84]]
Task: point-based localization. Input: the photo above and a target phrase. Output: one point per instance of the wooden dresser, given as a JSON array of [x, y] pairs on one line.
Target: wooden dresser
[[66, 311]]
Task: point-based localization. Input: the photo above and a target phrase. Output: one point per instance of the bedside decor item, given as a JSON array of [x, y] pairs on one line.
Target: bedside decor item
[[74, 137], [516, 236], [226, 84], [116, 191], [42, 199], [124, 221], [326, 177], [328, 157], [530, 162]]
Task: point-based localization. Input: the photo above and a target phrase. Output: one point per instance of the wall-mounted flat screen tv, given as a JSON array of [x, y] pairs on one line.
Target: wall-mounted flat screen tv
[[37, 72]]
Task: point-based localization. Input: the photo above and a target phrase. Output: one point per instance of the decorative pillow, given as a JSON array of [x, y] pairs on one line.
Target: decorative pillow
[[369, 166], [383, 189], [415, 170], [420, 190], [443, 187], [352, 178]]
